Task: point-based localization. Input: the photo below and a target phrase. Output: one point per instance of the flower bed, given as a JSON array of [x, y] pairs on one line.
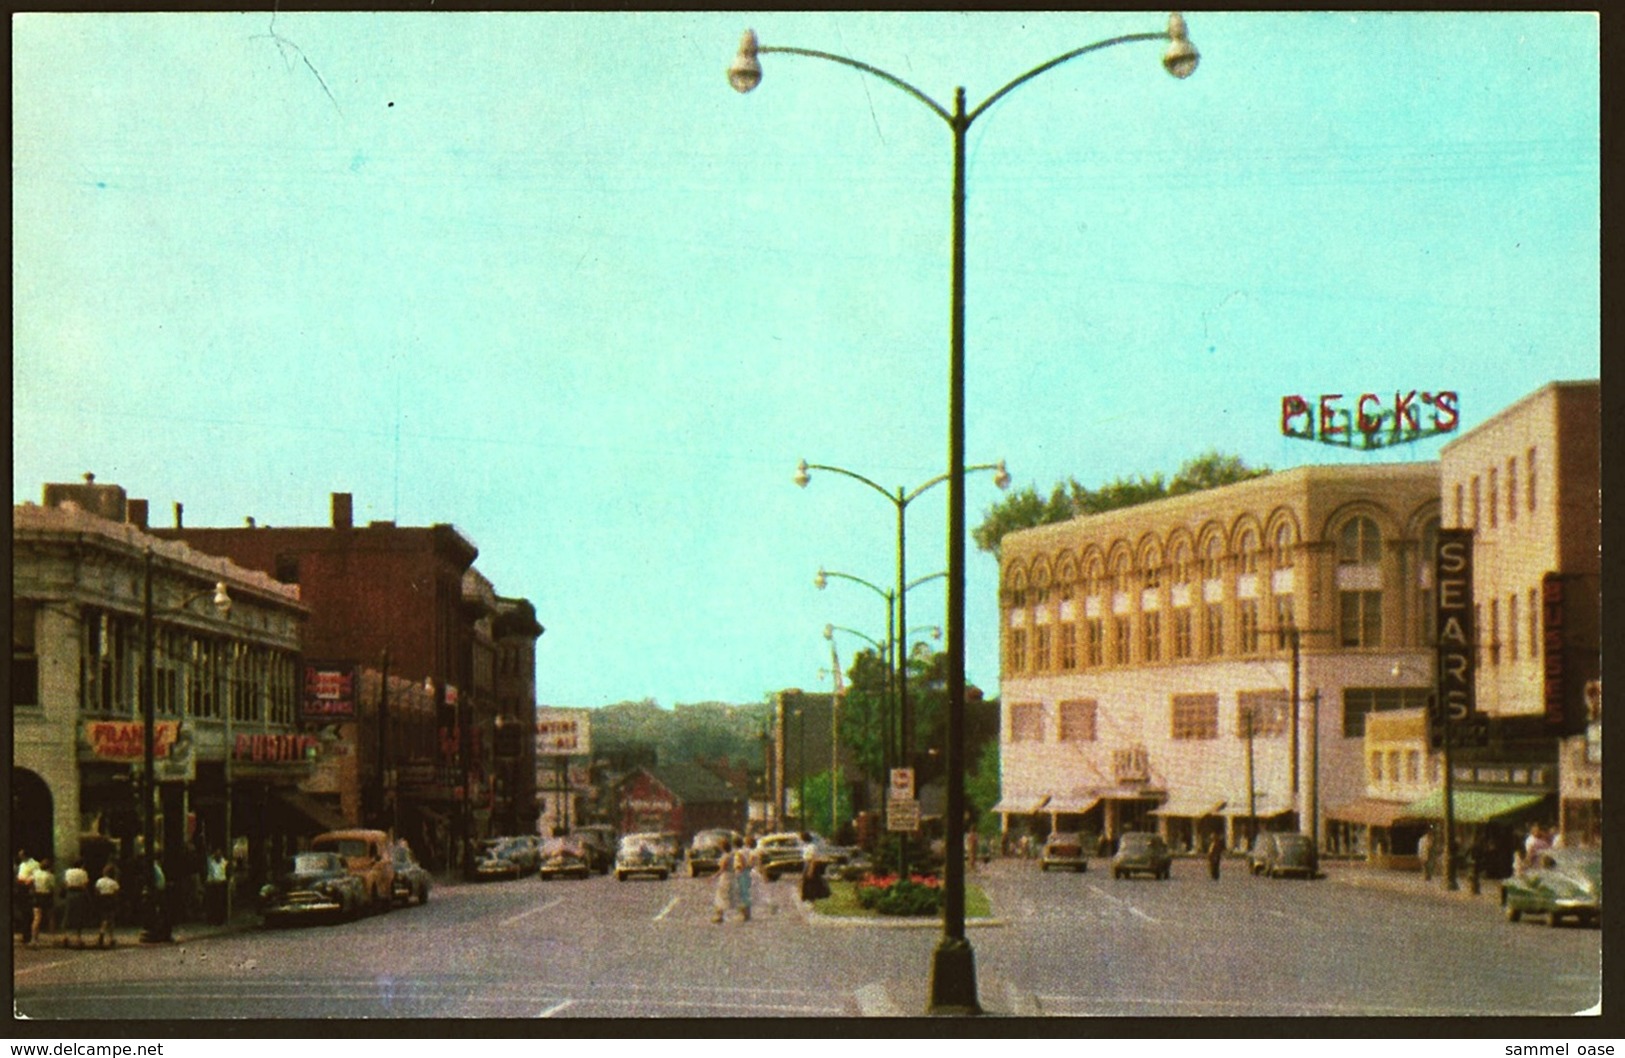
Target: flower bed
[[887, 894]]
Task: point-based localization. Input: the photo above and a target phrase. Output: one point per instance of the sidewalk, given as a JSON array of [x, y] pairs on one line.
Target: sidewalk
[[128, 934], [1364, 876]]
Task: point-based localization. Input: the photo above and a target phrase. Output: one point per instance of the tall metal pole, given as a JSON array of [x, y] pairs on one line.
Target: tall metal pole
[[231, 849], [953, 967], [155, 928], [835, 741], [1313, 783], [905, 733], [383, 745], [1297, 657], [1252, 796]]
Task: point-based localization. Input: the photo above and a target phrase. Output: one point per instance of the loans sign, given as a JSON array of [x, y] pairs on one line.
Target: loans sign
[[1453, 574]]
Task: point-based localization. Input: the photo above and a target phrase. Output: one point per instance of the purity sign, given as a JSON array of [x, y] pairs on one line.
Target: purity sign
[[1453, 575]]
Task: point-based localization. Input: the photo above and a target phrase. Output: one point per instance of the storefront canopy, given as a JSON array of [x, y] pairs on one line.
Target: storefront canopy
[[1471, 806], [1264, 806], [1019, 806], [1369, 812], [1071, 805], [1193, 806]]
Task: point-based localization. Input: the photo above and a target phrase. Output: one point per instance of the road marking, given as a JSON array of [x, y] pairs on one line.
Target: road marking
[[1098, 891], [41, 966], [555, 1008], [667, 909], [526, 914], [1142, 914]]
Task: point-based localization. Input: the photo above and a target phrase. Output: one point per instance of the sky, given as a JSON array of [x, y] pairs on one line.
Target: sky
[[548, 278]]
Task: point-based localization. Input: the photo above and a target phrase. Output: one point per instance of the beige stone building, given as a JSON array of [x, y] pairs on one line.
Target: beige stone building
[[1148, 657]]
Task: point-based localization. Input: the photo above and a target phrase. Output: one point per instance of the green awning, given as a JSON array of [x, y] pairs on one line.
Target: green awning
[[1471, 806]]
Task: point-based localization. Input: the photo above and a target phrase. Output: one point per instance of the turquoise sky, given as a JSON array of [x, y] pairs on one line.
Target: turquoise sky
[[548, 278]]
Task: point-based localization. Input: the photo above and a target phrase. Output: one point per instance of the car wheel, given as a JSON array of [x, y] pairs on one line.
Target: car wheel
[[1554, 920], [1117, 875], [1513, 914]]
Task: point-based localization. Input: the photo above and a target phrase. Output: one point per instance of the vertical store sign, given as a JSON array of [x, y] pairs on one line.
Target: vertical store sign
[[1453, 573]]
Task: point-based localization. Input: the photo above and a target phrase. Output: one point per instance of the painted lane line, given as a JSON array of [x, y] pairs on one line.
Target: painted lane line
[[1119, 900], [667, 909], [1142, 914], [556, 901], [556, 1007]]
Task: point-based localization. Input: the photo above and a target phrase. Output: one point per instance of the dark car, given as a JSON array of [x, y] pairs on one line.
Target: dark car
[[495, 860], [1142, 853], [1279, 854], [645, 853], [563, 858], [705, 852], [1561, 883], [318, 885], [412, 881], [1063, 849]]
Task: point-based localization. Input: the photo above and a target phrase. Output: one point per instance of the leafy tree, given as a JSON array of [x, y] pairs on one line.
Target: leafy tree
[[982, 789], [1023, 509], [816, 810]]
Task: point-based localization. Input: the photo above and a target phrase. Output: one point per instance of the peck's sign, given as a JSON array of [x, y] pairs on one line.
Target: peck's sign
[[1370, 420]]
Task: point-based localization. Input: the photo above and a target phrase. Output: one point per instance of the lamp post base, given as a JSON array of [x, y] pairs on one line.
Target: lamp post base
[[953, 979]]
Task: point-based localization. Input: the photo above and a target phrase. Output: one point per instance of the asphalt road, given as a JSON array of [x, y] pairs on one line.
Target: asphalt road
[[1062, 944]]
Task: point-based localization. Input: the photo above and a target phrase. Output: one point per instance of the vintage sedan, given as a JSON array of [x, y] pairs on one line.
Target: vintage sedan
[[599, 841], [1280, 854], [1561, 883], [367, 855], [1142, 853], [784, 853], [564, 858], [494, 861], [705, 852], [1064, 849], [526, 850], [312, 885], [645, 853], [412, 880]]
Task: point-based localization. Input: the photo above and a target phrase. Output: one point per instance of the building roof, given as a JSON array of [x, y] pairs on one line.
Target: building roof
[[1578, 385], [694, 784]]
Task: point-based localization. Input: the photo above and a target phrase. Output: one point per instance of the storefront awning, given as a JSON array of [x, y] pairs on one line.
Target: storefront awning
[[1471, 806], [1264, 806], [1368, 811], [313, 810], [1071, 805], [1021, 806], [1194, 806]]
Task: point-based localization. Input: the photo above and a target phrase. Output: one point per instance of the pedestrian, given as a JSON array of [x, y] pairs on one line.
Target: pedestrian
[[107, 905], [1424, 852], [1215, 853], [76, 908], [214, 887], [744, 865], [22, 895], [725, 891], [813, 886], [44, 899], [971, 841]]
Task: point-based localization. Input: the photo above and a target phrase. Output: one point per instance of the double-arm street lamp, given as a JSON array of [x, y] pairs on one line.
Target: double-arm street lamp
[[953, 969], [156, 927], [901, 499]]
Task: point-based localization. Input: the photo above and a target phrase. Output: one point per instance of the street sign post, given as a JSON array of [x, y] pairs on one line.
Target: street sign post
[[903, 814]]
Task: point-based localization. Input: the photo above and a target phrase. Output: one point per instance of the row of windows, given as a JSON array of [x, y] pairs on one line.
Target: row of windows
[[1473, 493], [1395, 766], [1191, 633], [1259, 714], [1522, 629]]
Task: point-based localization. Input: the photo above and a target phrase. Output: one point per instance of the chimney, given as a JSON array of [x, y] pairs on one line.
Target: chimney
[[135, 512], [343, 511], [249, 521], [177, 514]]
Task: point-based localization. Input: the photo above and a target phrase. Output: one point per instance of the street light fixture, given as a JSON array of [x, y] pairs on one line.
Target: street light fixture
[[156, 927], [953, 969]]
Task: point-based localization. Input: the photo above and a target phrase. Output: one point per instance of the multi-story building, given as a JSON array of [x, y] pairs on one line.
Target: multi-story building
[[1527, 482], [400, 599], [1150, 654], [89, 587]]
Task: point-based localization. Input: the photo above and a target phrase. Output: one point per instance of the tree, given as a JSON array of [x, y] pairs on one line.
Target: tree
[[1069, 499], [816, 810], [983, 790]]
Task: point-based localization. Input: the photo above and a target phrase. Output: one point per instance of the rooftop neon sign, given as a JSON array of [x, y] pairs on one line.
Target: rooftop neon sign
[[1372, 421]]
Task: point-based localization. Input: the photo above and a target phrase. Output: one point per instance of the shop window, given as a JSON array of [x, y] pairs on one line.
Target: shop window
[[1026, 722], [1361, 624]]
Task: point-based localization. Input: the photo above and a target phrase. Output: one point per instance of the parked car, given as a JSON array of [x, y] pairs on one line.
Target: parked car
[[1561, 883], [412, 881], [782, 853], [494, 862], [1278, 854], [599, 842], [312, 885], [1064, 849], [526, 851], [368, 855], [563, 857], [645, 853], [705, 852], [1142, 853]]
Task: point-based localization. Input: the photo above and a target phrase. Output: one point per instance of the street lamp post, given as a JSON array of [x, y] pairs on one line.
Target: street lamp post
[[953, 969], [155, 928]]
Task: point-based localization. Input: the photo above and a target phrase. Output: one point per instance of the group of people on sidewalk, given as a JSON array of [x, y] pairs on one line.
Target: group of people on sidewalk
[[69, 905]]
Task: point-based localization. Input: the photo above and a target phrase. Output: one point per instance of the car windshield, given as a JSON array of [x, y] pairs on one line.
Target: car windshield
[[1293, 843], [637, 842], [561, 847], [1137, 842], [1065, 839], [346, 847], [313, 863]]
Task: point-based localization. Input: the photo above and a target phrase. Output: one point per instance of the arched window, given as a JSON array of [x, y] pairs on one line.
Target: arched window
[[1247, 551], [1181, 563], [1284, 541], [1213, 559], [1359, 543], [1151, 566]]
